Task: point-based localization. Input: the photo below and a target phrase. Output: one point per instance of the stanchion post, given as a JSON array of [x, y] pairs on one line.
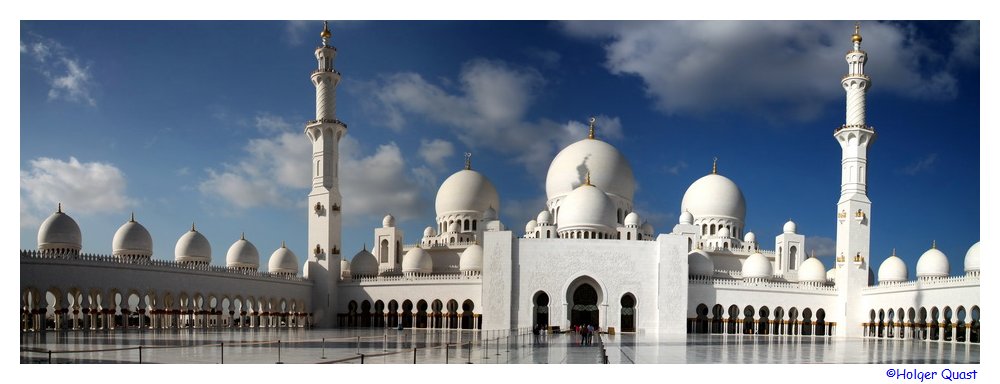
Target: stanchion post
[[498, 345], [362, 358], [279, 351], [222, 352], [414, 355], [385, 342], [446, 347], [470, 353], [50, 357], [323, 355], [358, 345], [140, 354]]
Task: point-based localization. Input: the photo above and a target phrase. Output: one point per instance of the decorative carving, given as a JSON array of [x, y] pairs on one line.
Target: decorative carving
[[318, 208]]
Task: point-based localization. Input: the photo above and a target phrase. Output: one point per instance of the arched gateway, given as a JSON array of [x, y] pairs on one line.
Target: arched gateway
[[583, 298]]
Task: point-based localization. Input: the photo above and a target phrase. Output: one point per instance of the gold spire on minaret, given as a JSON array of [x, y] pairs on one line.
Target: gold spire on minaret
[[468, 160], [715, 165], [856, 37], [592, 121], [326, 32]]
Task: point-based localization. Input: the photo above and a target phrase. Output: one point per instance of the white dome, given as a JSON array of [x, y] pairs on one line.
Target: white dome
[[892, 269], [364, 263], [714, 195], [193, 247], [132, 239], [59, 231], [284, 261], [789, 227], [417, 260], [429, 232], [812, 271], [471, 259], [831, 274], [544, 218], [757, 266], [723, 232], [388, 221], [647, 228], [608, 169], [530, 227], [686, 218], [489, 214], [466, 191], [749, 238], [972, 258], [587, 208], [632, 219], [454, 227], [933, 263], [243, 254], [700, 264]]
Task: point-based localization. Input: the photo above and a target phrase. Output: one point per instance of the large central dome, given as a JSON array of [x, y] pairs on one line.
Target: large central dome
[[609, 170], [715, 196], [465, 192]]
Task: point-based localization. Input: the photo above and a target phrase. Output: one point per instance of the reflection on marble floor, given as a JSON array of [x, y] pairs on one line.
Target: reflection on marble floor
[[460, 347]]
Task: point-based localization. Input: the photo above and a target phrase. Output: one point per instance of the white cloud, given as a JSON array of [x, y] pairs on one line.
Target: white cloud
[[675, 168], [784, 69], [296, 30], [823, 246], [924, 164], [275, 171], [435, 151], [267, 122], [85, 188], [488, 110], [68, 78]]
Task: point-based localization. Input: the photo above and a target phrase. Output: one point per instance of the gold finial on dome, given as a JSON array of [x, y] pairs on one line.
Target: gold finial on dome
[[856, 37], [715, 165], [132, 218], [592, 121], [468, 160], [933, 244], [243, 236], [282, 244], [587, 180], [59, 208], [192, 227], [893, 252]]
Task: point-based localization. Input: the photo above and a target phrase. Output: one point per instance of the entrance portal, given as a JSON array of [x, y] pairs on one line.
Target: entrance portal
[[584, 310]]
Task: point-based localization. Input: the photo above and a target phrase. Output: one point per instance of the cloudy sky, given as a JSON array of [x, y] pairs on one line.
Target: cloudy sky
[[202, 122]]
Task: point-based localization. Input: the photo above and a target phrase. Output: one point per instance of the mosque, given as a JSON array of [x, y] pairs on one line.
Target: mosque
[[587, 258]]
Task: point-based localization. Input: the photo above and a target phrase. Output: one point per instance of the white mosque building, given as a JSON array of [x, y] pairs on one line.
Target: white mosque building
[[587, 258]]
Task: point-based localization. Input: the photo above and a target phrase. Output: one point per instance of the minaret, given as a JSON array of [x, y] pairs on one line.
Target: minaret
[[323, 265], [854, 208]]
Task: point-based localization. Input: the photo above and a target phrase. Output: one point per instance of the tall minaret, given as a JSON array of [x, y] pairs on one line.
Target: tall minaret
[[854, 208], [323, 265]]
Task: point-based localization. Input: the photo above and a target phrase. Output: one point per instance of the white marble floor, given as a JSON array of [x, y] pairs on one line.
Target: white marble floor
[[461, 347]]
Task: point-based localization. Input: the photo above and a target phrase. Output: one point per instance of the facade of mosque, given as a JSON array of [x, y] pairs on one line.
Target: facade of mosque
[[587, 259]]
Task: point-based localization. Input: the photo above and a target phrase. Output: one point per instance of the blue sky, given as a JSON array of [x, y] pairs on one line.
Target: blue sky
[[202, 121]]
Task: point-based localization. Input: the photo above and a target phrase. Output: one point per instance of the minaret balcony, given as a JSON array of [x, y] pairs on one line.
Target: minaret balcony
[[327, 121], [333, 71], [855, 126], [856, 76]]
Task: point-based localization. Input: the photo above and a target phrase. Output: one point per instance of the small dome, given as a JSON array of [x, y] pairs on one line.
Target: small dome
[[715, 195], [608, 168], [632, 220], [933, 263], [757, 266], [471, 259], [544, 218], [243, 254], [364, 263], [466, 192], [789, 227], [417, 260], [723, 232], [283, 261], [530, 227], [972, 258], [489, 214], [588, 208], [749, 238], [831, 275], [429, 232], [700, 264], [454, 227], [892, 269], [686, 218], [193, 247], [647, 228], [59, 232], [345, 267], [388, 221], [132, 239], [812, 271]]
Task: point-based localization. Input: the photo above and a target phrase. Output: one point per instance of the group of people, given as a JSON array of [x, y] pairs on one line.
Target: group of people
[[586, 333]]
